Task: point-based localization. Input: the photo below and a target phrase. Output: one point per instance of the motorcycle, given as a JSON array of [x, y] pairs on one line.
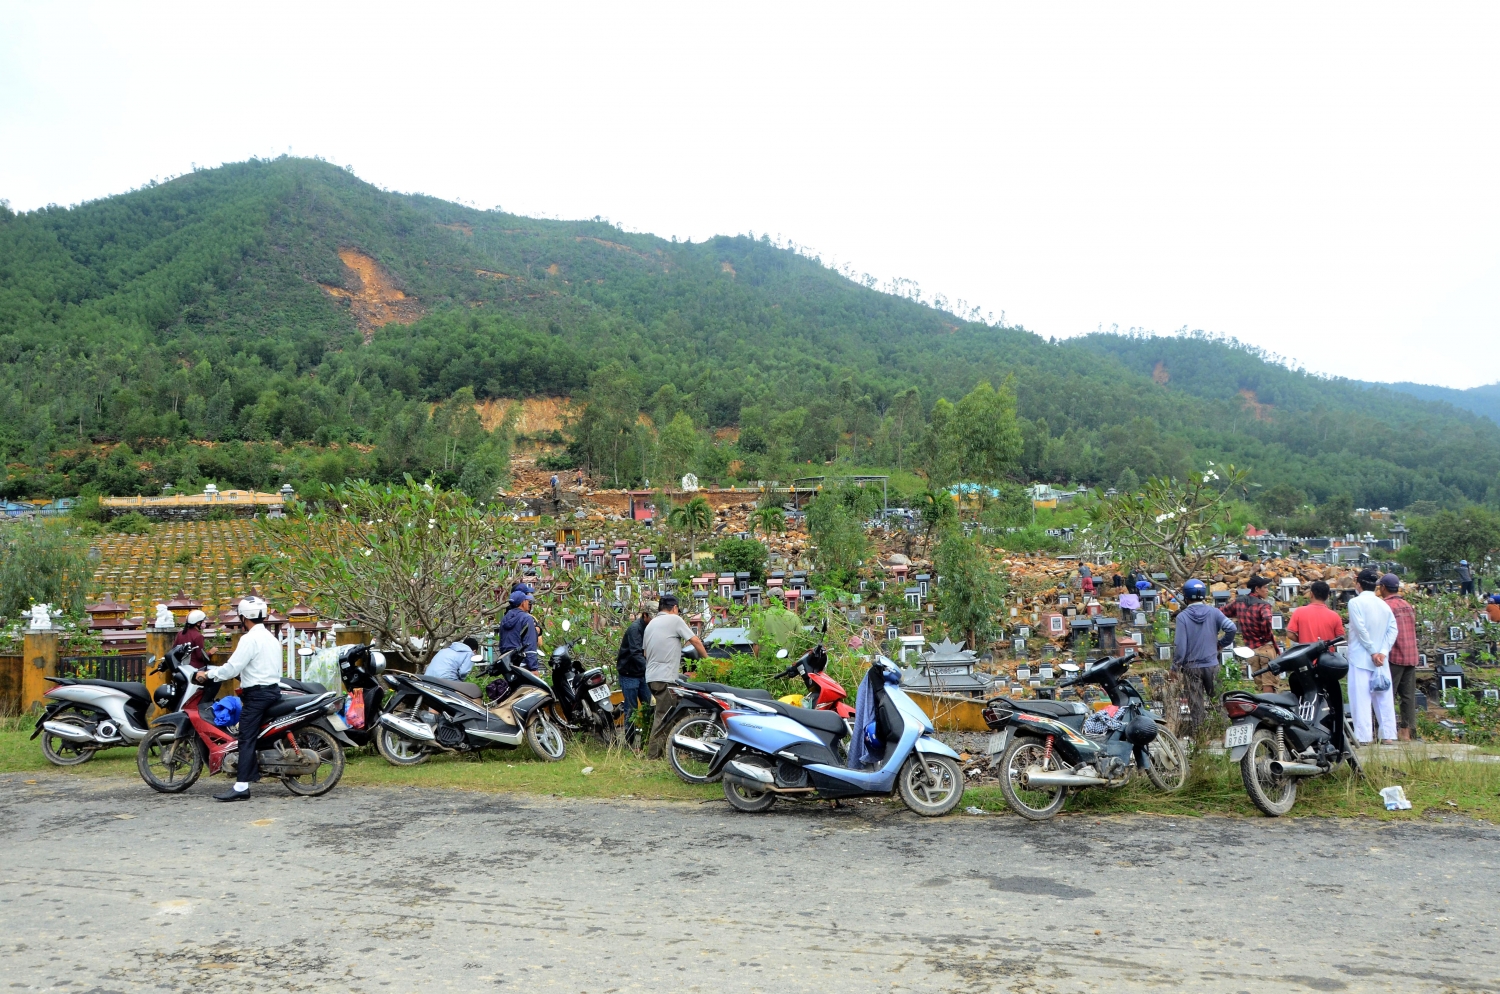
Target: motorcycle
[[426, 714], [1280, 739], [1053, 748], [695, 736], [582, 695], [84, 715], [297, 744], [772, 750]]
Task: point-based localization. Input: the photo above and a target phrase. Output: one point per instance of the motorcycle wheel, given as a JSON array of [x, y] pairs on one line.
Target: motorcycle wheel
[[397, 749], [930, 800], [1021, 755], [1273, 795], [330, 766], [1352, 749], [689, 766], [59, 751], [168, 764], [545, 739], [742, 798], [1169, 762]]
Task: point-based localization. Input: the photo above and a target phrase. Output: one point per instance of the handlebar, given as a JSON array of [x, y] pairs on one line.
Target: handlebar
[[1126, 657]]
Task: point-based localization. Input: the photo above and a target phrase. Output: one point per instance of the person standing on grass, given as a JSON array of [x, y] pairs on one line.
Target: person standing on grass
[[1252, 614], [1202, 630], [1315, 621], [630, 664], [1403, 657], [662, 643], [1465, 578], [1372, 632]]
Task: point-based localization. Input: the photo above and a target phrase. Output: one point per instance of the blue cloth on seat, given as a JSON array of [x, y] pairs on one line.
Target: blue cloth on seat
[[227, 711]]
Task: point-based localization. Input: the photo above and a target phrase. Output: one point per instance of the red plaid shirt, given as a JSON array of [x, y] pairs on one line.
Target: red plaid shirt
[[1404, 652], [1253, 616]]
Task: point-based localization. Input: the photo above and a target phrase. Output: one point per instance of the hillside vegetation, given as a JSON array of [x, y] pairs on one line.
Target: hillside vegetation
[[310, 325]]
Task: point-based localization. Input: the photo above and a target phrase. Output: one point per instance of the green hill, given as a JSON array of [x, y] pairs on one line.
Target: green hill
[[306, 323]]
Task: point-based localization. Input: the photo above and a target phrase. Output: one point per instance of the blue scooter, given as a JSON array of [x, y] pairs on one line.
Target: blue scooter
[[772, 750]]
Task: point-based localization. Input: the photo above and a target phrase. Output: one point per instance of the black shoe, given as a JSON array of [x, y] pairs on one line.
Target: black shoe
[[233, 795]]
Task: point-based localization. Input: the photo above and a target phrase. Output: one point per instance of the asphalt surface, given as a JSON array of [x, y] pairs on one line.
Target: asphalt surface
[[106, 886]]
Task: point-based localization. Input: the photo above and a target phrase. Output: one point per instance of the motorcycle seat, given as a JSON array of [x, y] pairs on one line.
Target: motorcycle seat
[[1281, 700], [461, 686], [287, 705], [135, 691], [1052, 709], [748, 693], [823, 721], [303, 686]]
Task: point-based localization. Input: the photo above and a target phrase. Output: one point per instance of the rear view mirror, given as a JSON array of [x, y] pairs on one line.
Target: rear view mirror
[[1069, 667], [1244, 653], [304, 652], [567, 625], [781, 654]]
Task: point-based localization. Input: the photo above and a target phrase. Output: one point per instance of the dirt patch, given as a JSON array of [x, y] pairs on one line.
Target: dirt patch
[[1160, 374], [1261, 411], [539, 415], [373, 296], [491, 274], [614, 245], [467, 229], [552, 270], [725, 267]]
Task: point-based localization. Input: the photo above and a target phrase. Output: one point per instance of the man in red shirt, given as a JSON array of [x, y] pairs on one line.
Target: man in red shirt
[[1316, 621], [1253, 616], [1403, 656]]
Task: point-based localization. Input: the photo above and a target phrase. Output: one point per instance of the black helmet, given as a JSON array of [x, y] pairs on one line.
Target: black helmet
[[1141, 730]]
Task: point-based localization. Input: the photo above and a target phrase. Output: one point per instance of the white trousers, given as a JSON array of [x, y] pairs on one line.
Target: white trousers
[[1362, 699]]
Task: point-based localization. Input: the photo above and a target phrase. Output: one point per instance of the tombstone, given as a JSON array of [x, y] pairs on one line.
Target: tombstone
[[742, 581], [1455, 633], [892, 633], [1277, 623], [1018, 647], [924, 582], [726, 584], [753, 596], [1109, 644], [1023, 632], [914, 597], [1164, 652]]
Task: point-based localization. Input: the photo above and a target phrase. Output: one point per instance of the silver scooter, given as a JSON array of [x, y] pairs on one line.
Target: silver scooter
[[84, 716]]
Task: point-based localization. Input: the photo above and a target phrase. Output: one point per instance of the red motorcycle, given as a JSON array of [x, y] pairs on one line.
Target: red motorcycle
[[695, 738], [298, 745]]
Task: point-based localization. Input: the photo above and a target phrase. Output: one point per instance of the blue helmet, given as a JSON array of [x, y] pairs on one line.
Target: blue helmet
[[872, 740], [1194, 590]]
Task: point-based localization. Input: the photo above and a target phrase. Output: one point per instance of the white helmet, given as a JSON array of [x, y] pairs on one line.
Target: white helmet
[[252, 608], [196, 617]]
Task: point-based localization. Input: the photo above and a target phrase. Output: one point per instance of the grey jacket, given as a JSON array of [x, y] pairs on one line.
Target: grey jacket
[[1202, 630]]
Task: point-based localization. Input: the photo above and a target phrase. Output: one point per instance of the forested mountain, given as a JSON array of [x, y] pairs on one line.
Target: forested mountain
[[307, 323], [1483, 400]]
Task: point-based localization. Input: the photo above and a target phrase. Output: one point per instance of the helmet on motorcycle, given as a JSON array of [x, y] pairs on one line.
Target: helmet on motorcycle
[[252, 608], [872, 738], [196, 617], [1194, 590]]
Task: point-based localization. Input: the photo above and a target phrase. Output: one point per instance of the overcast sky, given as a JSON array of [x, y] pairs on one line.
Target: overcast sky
[[1317, 179]]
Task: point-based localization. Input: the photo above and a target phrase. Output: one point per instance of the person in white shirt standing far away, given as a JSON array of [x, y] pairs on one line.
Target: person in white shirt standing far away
[[1372, 632], [257, 662]]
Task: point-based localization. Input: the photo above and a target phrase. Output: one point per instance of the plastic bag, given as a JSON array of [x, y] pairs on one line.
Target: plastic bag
[[1395, 798], [322, 667], [227, 711], [1381, 680]]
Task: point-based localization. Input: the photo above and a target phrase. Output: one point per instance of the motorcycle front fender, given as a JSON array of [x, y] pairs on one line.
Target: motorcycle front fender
[[927, 743], [176, 720]]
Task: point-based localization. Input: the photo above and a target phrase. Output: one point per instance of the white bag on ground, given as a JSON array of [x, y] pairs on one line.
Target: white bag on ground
[[1395, 799]]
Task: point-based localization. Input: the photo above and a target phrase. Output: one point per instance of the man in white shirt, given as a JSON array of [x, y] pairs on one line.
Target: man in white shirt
[[1372, 632], [662, 644], [257, 662]]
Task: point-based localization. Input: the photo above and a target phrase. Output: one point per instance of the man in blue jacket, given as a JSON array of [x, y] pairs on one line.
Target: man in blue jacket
[[1202, 630], [518, 631]]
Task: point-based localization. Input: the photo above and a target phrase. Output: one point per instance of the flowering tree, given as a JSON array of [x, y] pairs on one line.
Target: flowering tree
[[405, 563], [1174, 526]]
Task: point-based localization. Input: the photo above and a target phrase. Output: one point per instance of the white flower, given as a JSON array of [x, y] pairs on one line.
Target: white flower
[[369, 552], [431, 522]]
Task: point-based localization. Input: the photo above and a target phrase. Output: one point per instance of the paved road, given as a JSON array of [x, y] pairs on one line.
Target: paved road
[[105, 886]]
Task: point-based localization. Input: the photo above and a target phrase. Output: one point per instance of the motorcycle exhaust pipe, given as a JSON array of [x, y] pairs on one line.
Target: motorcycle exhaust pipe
[[697, 746], [68, 732], [1046, 779], [411, 729], [1280, 769]]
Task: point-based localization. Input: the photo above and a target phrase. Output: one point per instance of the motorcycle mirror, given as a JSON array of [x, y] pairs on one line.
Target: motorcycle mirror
[[1244, 653], [781, 654], [304, 652], [567, 625], [1069, 667]]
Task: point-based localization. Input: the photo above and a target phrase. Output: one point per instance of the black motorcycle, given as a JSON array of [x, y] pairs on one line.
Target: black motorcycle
[[426, 714], [583, 695], [1053, 747], [1278, 739], [362, 669]]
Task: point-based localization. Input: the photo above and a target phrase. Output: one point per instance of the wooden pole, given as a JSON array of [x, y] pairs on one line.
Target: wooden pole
[[158, 643], [39, 661]]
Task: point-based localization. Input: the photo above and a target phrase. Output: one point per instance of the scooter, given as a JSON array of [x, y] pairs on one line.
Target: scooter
[[84, 716], [1053, 747], [297, 744], [427, 714], [824, 693], [1281, 739], [772, 750], [584, 696]]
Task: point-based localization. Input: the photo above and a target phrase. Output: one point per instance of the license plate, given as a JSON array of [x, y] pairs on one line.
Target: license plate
[[600, 693], [1238, 735]]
